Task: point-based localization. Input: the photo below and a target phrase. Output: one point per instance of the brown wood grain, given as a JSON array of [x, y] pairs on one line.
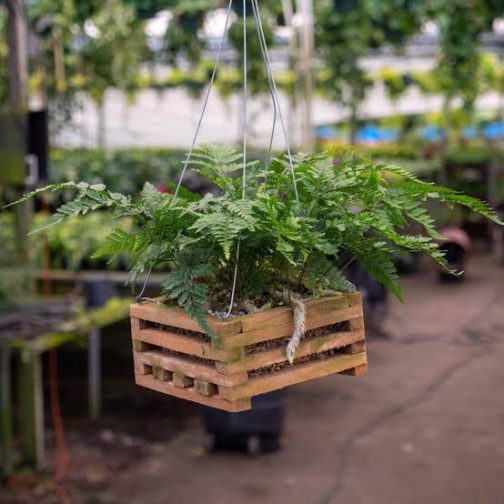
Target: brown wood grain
[[361, 370], [296, 374], [175, 317], [190, 394], [181, 380], [268, 333], [140, 367], [283, 315], [308, 347], [355, 348], [184, 344], [161, 374], [190, 368], [224, 383], [205, 388]]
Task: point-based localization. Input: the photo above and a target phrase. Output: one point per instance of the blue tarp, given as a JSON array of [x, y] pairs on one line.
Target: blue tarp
[[432, 133], [374, 134], [494, 130], [326, 133]]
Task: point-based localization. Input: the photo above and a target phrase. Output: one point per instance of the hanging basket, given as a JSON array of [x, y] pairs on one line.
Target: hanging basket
[[247, 355]]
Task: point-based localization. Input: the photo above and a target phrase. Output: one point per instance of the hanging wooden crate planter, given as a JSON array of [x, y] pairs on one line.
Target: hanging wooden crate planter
[[247, 355]]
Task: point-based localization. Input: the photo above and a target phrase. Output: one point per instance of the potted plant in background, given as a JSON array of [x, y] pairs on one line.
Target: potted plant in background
[[255, 297]]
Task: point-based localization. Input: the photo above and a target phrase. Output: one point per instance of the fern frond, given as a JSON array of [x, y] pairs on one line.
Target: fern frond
[[448, 195], [152, 200], [184, 285], [226, 222], [377, 260], [320, 275], [118, 242], [49, 188], [144, 262]]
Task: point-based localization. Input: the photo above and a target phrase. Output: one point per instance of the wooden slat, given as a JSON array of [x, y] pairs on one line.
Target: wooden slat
[[283, 330], [361, 370], [283, 315], [311, 346], [205, 388], [189, 394], [355, 348], [190, 368], [140, 366], [140, 346], [291, 376], [161, 374], [357, 323], [354, 298], [273, 317], [182, 381], [135, 324], [175, 317], [347, 314], [184, 344]]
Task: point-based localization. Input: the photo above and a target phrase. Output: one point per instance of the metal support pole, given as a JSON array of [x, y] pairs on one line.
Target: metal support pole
[[5, 411], [18, 56], [31, 408], [288, 11], [305, 70], [17, 40], [94, 374]]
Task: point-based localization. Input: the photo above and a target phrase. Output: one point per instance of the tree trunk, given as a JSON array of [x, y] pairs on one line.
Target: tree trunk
[[18, 56], [18, 105]]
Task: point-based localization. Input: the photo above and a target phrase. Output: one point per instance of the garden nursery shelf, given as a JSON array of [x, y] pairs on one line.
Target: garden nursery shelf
[[247, 355]]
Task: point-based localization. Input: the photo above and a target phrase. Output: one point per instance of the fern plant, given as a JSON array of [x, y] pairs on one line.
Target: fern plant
[[347, 208]]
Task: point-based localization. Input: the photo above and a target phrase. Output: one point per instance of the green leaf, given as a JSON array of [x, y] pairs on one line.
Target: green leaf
[[118, 242]]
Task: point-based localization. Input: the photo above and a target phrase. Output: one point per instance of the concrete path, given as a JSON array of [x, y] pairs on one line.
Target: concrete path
[[426, 426]]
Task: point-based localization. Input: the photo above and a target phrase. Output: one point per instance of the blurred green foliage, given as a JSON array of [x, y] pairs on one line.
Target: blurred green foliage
[[181, 36], [123, 171], [70, 245], [461, 23], [113, 58], [341, 45], [67, 60], [73, 244]]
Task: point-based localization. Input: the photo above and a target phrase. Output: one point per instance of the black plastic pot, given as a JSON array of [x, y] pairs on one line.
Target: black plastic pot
[[256, 431], [98, 292]]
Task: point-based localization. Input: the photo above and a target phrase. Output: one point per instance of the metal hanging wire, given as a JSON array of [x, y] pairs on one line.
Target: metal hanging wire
[[245, 138], [277, 113], [207, 96], [276, 107], [140, 297], [274, 89]]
